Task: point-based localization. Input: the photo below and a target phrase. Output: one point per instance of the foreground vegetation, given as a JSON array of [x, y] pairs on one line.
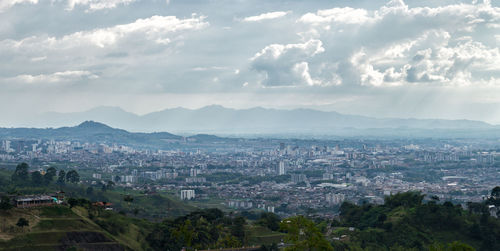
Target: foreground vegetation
[[405, 222]]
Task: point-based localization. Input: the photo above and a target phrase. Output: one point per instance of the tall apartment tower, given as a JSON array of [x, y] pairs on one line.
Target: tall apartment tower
[[281, 168], [187, 194]]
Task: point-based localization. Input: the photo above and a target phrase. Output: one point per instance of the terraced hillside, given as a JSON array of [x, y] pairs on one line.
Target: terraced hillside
[[58, 228]]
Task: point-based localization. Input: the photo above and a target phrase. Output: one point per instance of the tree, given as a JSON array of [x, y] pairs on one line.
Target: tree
[[434, 198], [21, 175], [72, 202], [272, 247], [269, 220], [62, 177], [118, 179], [128, 198], [5, 203], [454, 246], [22, 222], [49, 175], [406, 199], [135, 211], [495, 192], [72, 176], [36, 178], [303, 234], [238, 228], [110, 184], [459, 246], [90, 190]]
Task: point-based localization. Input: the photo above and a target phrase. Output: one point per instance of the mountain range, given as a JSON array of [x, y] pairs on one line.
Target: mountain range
[[226, 121]]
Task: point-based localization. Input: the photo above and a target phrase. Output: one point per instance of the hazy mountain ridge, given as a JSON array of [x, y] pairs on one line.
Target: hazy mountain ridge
[[220, 120], [90, 131]]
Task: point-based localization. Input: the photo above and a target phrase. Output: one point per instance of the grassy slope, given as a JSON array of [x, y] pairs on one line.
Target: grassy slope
[[51, 227], [258, 235]]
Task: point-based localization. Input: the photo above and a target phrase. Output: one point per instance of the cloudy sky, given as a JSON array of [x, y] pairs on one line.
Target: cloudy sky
[[418, 58]]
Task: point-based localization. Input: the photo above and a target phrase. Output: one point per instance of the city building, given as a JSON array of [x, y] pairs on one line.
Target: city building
[[334, 199], [34, 201], [187, 194], [281, 168], [297, 178], [196, 180]]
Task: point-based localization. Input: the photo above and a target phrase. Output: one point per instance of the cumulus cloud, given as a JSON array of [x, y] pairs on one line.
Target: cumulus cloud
[[158, 29], [397, 44], [285, 65], [125, 39], [112, 51], [155, 28], [266, 16], [344, 15], [90, 5], [93, 5], [6, 4], [65, 76]]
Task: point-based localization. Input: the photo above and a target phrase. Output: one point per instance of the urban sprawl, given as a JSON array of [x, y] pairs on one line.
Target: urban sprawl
[[286, 177]]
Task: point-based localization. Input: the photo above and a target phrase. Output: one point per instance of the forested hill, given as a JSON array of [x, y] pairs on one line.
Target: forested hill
[[404, 222], [87, 131], [94, 132]]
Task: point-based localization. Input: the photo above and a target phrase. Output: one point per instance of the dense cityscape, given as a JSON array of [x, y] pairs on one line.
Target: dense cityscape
[[286, 177]]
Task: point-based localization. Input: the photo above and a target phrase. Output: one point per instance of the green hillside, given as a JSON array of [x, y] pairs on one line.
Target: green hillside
[[406, 222], [62, 228], [149, 205], [403, 222]]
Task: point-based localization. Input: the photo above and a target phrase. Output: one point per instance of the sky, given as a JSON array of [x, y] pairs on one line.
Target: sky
[[418, 58]]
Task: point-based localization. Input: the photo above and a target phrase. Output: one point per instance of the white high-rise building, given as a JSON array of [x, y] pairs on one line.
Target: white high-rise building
[[187, 194], [334, 199], [328, 176], [297, 178], [128, 179], [6, 145], [281, 168]]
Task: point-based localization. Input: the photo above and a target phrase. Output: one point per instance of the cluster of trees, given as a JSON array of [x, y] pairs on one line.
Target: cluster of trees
[[304, 234], [5, 203], [200, 230], [211, 228], [22, 222], [407, 222], [269, 220], [22, 176], [494, 199]]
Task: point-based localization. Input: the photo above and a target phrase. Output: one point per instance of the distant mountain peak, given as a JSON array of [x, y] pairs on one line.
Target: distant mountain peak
[[107, 109], [214, 107], [92, 124]]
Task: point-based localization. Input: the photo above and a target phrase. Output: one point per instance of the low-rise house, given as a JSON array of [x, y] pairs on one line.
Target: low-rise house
[[34, 201], [103, 204]]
